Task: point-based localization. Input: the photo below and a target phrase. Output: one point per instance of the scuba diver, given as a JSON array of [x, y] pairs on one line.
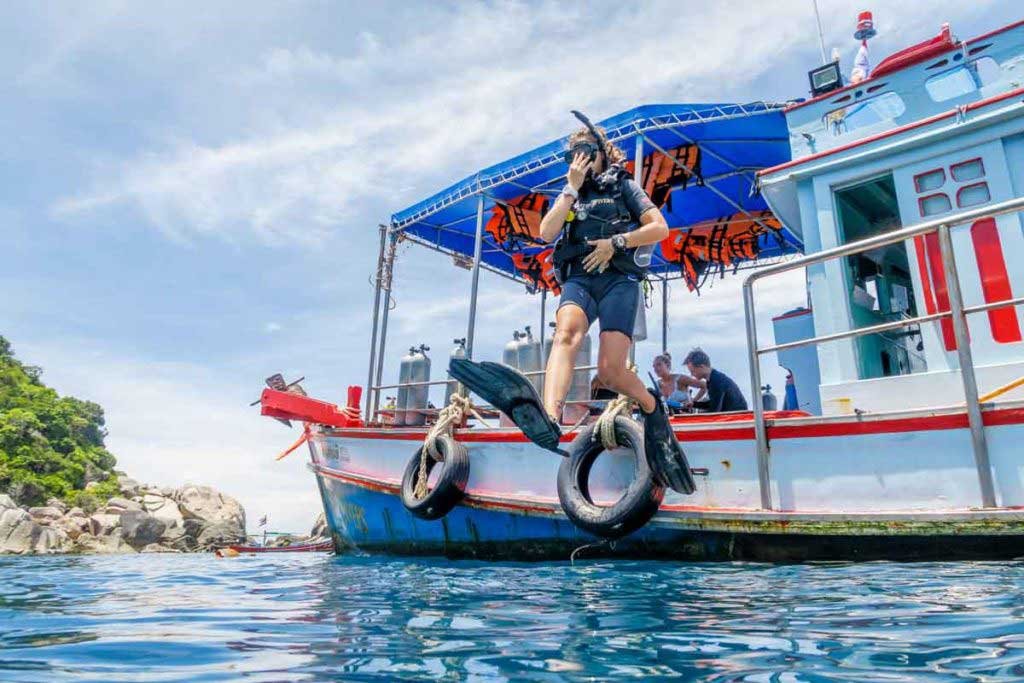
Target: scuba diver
[[606, 229]]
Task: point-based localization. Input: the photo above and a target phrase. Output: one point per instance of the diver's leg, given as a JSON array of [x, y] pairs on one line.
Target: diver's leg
[[614, 372], [571, 324]]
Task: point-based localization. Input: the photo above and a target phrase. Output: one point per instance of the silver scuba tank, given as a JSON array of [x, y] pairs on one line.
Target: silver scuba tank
[[768, 399], [510, 357], [579, 389], [458, 352], [404, 368], [529, 358], [510, 354], [417, 398]]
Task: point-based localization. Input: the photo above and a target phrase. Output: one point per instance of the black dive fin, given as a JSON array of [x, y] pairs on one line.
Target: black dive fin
[[664, 454], [511, 392]]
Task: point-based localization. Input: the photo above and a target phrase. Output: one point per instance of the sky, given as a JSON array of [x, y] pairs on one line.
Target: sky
[[190, 192]]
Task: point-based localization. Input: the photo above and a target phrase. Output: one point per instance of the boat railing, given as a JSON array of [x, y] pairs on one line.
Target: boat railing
[[957, 312], [438, 382]]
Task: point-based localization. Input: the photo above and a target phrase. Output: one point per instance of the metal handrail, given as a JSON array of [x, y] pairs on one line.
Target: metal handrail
[[957, 312], [438, 382]]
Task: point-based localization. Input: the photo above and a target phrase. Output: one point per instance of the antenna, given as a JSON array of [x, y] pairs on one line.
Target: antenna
[[821, 37]]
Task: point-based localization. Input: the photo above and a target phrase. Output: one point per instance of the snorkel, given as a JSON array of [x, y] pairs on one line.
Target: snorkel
[[599, 146], [602, 142]]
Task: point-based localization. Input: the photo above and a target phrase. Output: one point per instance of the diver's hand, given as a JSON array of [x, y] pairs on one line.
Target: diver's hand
[[598, 259], [578, 171]]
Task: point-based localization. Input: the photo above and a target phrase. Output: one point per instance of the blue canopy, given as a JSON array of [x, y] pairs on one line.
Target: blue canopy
[[712, 150]]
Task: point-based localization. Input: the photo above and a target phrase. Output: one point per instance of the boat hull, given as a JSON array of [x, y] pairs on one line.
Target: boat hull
[[894, 488], [375, 521]]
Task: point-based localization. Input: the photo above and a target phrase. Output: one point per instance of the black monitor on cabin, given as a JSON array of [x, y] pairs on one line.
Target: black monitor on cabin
[[825, 79]]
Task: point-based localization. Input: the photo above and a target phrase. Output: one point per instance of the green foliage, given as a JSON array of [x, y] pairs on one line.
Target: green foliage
[[50, 446]]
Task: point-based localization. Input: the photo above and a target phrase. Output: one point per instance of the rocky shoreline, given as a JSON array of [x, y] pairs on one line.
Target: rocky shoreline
[[143, 518]]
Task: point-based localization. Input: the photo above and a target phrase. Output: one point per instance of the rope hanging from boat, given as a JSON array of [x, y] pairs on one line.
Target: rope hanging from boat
[[450, 416], [605, 429]]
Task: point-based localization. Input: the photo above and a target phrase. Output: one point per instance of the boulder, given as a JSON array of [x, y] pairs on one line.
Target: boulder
[[118, 505], [217, 535], [45, 515], [128, 486], [176, 539], [102, 524], [19, 534], [52, 540], [57, 503], [73, 525], [6, 502], [140, 529], [76, 512], [319, 529], [211, 506], [88, 543], [164, 509]]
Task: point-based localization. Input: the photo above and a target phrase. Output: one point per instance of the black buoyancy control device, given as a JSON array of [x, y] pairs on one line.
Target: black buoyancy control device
[[599, 213]]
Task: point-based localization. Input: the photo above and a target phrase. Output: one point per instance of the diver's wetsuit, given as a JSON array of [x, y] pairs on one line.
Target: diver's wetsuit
[[611, 297]]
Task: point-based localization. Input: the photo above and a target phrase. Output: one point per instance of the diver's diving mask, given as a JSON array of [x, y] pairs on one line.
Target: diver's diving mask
[[586, 147]]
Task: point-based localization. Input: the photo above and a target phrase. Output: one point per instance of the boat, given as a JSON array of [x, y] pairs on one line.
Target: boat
[[899, 195], [318, 547]]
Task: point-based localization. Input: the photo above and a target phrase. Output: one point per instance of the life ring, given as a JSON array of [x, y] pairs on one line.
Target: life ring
[[450, 487], [633, 510]]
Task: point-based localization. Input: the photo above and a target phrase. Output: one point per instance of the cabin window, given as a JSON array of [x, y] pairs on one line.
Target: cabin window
[[934, 204], [967, 170], [885, 107], [962, 80], [932, 180], [972, 195]]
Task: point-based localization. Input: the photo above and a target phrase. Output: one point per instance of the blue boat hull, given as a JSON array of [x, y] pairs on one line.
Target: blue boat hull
[[375, 521]]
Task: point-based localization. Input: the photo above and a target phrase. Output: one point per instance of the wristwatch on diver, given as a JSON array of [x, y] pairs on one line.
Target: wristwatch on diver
[[619, 242]]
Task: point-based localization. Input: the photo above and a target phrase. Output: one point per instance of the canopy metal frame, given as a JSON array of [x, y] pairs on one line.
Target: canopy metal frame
[[481, 189]]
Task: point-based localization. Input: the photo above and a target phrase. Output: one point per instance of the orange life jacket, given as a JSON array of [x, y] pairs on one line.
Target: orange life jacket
[[538, 270], [659, 175], [720, 242], [518, 220]]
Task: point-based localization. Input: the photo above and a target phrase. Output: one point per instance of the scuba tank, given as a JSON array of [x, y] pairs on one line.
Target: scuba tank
[[579, 389], [510, 357], [768, 399], [528, 355], [404, 368], [510, 354], [458, 352], [417, 396]]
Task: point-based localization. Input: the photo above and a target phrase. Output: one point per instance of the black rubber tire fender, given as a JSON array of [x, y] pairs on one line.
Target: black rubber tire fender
[[450, 488], [633, 510]]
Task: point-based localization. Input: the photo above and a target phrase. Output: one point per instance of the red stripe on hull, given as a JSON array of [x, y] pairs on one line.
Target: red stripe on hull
[[852, 427]]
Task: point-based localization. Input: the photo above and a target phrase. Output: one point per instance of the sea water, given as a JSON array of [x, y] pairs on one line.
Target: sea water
[[321, 617]]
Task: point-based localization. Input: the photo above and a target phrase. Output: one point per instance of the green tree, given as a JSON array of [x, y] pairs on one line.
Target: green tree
[[50, 445]]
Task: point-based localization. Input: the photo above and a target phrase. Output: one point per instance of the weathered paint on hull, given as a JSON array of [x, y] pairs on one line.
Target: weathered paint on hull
[[375, 521]]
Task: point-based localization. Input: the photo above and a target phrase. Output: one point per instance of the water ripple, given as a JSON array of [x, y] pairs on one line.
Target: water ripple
[[316, 617]]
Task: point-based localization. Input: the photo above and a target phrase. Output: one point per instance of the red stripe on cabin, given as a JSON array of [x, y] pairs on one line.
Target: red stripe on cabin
[[995, 281], [926, 281], [931, 242]]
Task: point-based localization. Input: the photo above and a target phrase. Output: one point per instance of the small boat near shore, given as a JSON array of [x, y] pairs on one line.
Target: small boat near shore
[[319, 547], [899, 196]]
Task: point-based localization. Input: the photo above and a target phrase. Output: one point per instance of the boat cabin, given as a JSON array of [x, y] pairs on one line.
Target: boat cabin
[[937, 128]]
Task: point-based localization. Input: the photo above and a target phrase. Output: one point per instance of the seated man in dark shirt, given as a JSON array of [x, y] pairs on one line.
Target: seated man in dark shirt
[[723, 394]]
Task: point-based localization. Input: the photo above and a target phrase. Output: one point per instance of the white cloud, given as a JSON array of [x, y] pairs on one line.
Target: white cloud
[[334, 135], [272, 327]]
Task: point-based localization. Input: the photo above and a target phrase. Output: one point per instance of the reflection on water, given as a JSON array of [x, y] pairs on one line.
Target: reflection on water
[[317, 617]]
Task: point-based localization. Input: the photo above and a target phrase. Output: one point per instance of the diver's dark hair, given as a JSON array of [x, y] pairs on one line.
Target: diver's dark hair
[[697, 357], [665, 358]]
